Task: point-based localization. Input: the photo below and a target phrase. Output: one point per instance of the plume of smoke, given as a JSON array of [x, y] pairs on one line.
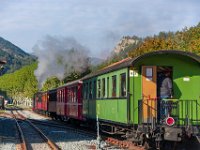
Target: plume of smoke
[[59, 56]]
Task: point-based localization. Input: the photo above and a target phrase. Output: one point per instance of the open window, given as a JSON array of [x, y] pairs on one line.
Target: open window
[[123, 85], [99, 89], [103, 87], [114, 85]]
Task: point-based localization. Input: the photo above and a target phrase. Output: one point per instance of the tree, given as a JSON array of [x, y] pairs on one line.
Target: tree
[[51, 83]]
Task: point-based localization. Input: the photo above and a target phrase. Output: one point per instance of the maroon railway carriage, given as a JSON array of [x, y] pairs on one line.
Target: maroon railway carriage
[[61, 102], [69, 101]]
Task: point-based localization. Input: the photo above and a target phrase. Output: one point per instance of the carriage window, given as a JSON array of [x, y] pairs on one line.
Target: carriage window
[[103, 87], [94, 89], [75, 94], [86, 90], [68, 94], [99, 89], [72, 94], [39, 98], [114, 84], [90, 90], [60, 96], [107, 87], [64, 95], [123, 85]]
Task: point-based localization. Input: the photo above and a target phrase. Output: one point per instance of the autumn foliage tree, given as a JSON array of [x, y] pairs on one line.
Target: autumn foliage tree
[[187, 40]]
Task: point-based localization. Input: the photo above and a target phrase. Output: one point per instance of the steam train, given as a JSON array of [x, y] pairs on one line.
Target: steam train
[[125, 97]]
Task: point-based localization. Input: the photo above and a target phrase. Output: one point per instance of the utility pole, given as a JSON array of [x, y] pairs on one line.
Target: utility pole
[[98, 134]]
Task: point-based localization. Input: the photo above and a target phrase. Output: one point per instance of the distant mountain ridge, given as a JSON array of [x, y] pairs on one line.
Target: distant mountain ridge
[[14, 56], [125, 43], [95, 61]]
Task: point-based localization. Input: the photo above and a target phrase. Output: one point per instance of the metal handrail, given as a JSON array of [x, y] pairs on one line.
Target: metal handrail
[[141, 104], [182, 109]]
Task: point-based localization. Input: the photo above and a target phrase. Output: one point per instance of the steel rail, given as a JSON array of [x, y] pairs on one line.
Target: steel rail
[[22, 139], [51, 144]]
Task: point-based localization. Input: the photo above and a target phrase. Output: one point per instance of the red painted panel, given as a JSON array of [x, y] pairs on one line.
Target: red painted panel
[[80, 102], [39, 105], [38, 102], [61, 101], [73, 110], [44, 101]]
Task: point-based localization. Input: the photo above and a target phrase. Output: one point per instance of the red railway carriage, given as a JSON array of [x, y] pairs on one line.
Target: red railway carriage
[[40, 102], [37, 102], [69, 100]]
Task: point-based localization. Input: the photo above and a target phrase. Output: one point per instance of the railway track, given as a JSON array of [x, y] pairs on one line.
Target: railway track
[[31, 136], [106, 142], [79, 130]]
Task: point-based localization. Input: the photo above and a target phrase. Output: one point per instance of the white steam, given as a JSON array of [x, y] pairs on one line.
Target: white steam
[[59, 56]]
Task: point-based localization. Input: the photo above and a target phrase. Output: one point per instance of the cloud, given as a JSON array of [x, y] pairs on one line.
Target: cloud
[[96, 24]]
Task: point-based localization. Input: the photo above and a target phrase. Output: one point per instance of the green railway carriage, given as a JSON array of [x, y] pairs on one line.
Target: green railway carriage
[[125, 95], [105, 94], [185, 74]]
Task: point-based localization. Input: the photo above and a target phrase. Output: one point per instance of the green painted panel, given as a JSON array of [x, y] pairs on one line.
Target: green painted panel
[[92, 109], [112, 110], [135, 95], [89, 109], [85, 107]]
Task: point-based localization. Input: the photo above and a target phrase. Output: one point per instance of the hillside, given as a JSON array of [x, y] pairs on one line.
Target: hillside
[[188, 39], [14, 56], [20, 85], [126, 44]]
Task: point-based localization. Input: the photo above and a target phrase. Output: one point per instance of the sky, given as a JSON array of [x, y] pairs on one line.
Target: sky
[[95, 24]]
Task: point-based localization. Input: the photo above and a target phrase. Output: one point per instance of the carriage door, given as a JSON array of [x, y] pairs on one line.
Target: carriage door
[[149, 93]]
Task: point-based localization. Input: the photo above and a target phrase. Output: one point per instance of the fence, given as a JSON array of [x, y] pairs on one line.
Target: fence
[[185, 112]]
